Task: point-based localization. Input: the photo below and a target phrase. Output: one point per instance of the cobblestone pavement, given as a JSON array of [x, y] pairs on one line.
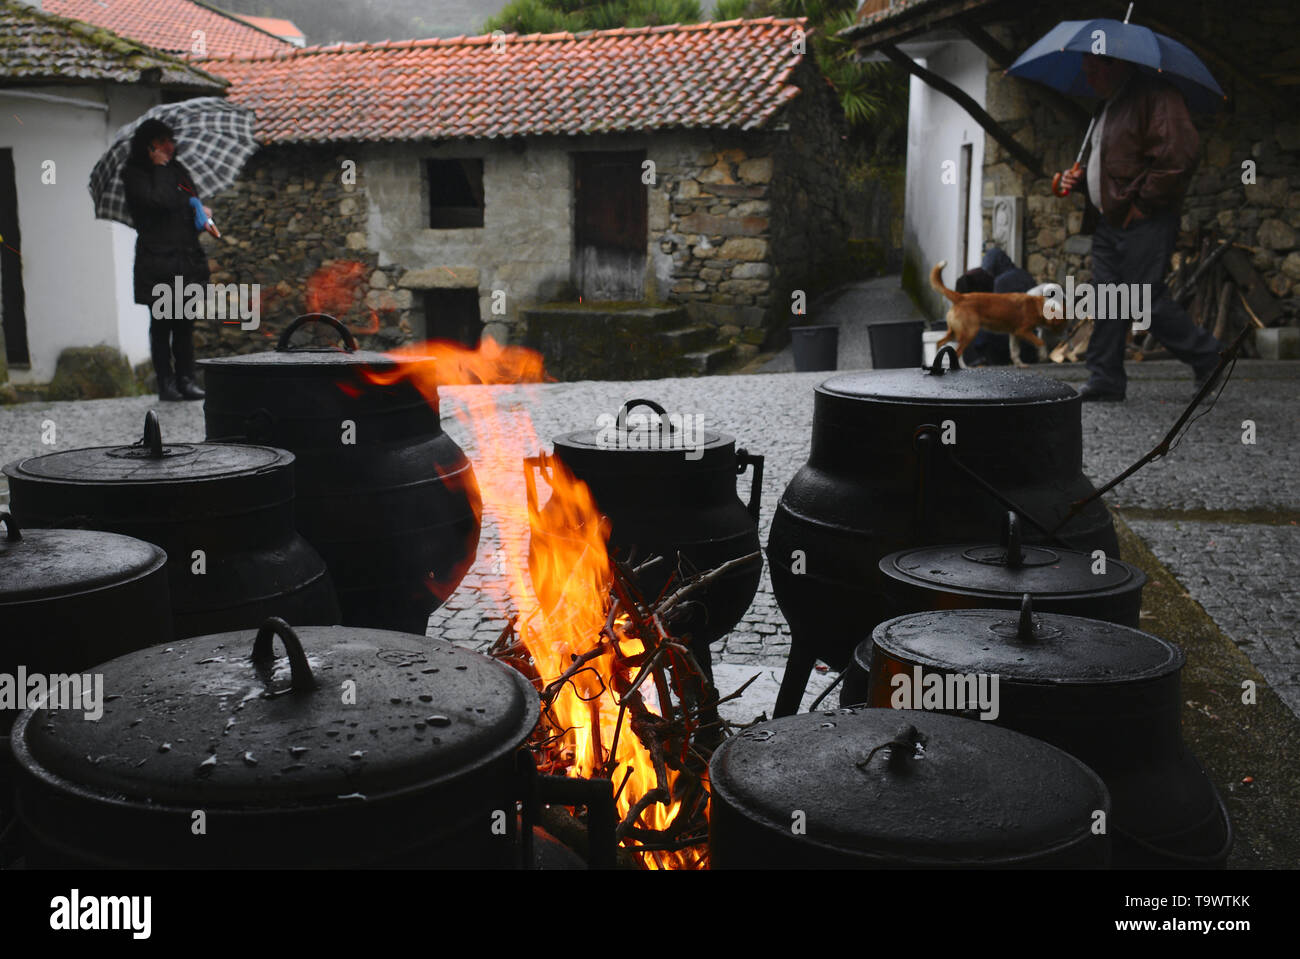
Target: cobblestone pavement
[[1246, 580]]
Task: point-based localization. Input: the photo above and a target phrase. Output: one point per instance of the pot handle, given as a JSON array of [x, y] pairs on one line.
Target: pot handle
[[621, 422], [745, 458], [923, 440], [152, 439], [1015, 555], [596, 794], [936, 368], [531, 463], [13, 534], [263, 652], [349, 341]]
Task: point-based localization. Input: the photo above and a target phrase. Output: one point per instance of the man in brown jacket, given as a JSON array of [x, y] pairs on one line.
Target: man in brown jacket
[[1144, 149]]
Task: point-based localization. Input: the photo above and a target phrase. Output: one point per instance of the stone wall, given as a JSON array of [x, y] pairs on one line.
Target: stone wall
[[291, 225], [710, 220], [812, 194], [1264, 215]]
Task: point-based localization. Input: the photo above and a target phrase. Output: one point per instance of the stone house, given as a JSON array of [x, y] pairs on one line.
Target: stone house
[[1009, 135], [65, 277], [445, 188]]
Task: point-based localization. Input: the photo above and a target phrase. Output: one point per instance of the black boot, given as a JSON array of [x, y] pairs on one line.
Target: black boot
[[167, 391], [189, 389], [160, 348]]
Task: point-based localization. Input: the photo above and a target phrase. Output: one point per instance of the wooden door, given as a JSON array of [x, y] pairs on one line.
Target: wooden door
[[610, 230]]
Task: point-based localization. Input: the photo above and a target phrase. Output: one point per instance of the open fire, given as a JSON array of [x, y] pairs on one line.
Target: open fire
[[622, 698]]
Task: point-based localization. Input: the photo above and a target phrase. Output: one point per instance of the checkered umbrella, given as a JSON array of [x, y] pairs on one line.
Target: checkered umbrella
[[213, 140]]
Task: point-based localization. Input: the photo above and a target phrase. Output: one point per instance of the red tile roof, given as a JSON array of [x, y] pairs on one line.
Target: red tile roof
[[38, 47], [170, 24], [734, 75], [285, 29]]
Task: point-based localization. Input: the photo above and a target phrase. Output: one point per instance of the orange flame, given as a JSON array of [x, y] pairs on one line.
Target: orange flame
[[563, 597]]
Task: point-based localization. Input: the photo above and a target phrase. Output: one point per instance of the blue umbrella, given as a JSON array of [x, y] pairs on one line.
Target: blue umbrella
[[1057, 59]]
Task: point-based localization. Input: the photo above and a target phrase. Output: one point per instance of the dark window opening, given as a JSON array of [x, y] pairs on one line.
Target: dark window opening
[[455, 193], [452, 315]]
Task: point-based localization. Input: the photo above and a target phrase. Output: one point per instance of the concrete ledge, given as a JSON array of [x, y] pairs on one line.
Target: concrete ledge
[[440, 278]]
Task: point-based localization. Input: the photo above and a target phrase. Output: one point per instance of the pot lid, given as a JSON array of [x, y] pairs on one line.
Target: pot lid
[[348, 712], [151, 461], [289, 358], [939, 385], [1011, 568], [1027, 647], [911, 786], [646, 434], [45, 564]]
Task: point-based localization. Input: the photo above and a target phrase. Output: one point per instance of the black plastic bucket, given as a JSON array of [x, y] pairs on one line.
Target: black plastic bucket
[[896, 344], [815, 348]]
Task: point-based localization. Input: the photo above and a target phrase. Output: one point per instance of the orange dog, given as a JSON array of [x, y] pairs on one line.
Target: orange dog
[[1013, 313]]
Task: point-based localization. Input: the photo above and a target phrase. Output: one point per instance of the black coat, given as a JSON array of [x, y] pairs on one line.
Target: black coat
[[166, 245]]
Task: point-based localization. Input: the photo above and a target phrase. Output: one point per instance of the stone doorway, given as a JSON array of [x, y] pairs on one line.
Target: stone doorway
[[11, 268], [453, 314]]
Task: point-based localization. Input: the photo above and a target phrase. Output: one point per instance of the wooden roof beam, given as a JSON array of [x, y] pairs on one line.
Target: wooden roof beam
[[967, 103]]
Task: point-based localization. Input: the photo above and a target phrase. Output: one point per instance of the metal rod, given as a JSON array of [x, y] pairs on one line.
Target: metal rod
[[1161, 448]]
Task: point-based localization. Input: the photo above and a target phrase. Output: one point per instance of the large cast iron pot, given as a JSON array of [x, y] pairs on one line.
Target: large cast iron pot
[[906, 458], [386, 496], [70, 599], [879, 788], [997, 576], [663, 499], [222, 513], [357, 747], [1104, 693]]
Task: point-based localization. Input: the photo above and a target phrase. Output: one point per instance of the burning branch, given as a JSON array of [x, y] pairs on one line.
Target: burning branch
[[664, 701]]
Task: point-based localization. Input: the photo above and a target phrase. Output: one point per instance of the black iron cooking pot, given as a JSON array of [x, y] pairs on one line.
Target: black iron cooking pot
[[997, 576], [359, 747], [386, 496], [907, 458], [879, 788], [1104, 693], [665, 499], [222, 513], [70, 599]]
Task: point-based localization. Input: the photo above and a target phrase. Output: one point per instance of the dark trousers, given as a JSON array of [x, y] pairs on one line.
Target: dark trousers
[[168, 337], [1140, 254]]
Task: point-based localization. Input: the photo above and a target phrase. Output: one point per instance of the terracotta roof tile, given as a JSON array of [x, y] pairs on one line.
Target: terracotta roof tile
[[169, 25], [733, 75], [36, 45]]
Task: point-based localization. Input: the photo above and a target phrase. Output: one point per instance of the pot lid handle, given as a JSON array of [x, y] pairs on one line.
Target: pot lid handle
[[1025, 628], [13, 534], [349, 341], [152, 439], [904, 746], [621, 423], [936, 367], [264, 653], [1015, 556]]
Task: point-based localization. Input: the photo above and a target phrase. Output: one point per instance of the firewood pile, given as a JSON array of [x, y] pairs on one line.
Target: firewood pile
[[1220, 289]]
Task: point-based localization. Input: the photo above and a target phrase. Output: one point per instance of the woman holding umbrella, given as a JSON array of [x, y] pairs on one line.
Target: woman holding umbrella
[[158, 192]]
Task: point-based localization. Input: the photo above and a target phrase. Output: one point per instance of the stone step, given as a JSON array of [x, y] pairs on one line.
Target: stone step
[[636, 320], [688, 339], [706, 361]]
